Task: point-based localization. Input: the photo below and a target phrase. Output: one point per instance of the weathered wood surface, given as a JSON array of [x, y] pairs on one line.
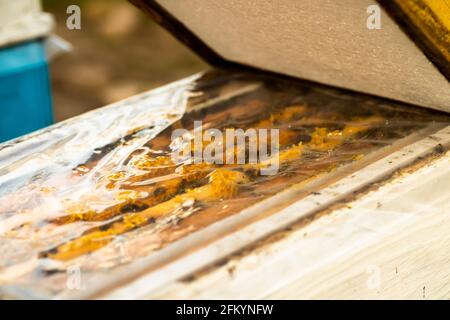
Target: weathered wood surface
[[389, 243], [392, 243]]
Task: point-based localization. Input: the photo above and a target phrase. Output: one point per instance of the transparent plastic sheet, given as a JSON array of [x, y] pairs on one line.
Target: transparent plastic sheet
[[100, 191]]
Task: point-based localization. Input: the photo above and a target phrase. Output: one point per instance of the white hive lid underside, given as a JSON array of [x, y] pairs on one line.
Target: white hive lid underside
[[325, 41]]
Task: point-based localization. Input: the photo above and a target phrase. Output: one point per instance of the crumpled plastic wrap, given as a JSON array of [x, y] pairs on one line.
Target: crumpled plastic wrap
[[100, 191]]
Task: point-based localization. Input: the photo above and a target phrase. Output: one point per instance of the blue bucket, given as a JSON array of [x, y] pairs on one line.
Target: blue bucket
[[25, 96]]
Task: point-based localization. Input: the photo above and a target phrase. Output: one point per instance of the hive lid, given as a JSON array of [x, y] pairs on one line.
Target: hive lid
[[323, 41]]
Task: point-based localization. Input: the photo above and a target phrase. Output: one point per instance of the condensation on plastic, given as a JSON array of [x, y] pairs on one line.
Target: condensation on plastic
[[50, 178]]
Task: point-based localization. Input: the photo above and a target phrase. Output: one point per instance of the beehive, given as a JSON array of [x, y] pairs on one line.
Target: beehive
[[98, 203]]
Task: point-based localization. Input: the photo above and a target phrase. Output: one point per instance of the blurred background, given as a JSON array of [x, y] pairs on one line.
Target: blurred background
[[117, 53]]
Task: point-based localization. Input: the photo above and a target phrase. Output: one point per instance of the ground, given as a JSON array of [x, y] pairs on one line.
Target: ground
[[118, 52]]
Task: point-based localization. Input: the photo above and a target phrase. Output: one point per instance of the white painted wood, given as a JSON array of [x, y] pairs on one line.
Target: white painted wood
[[325, 41], [22, 20]]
